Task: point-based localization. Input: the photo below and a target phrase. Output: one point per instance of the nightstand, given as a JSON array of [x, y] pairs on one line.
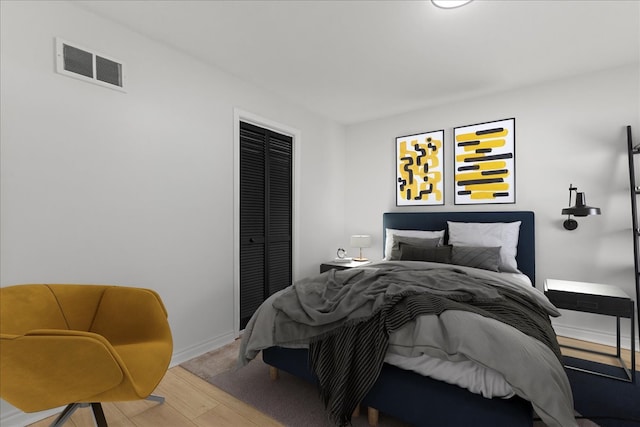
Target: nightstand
[[333, 265], [601, 299]]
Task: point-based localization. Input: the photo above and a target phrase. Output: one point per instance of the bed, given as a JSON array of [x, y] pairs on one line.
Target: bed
[[536, 381]]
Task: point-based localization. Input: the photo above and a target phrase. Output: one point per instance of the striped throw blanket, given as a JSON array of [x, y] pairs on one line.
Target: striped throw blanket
[[348, 360]]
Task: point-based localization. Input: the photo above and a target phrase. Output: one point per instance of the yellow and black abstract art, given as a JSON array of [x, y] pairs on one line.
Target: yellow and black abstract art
[[420, 169], [485, 163]]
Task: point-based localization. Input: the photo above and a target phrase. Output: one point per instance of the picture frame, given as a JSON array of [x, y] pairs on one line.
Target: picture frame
[[484, 163], [420, 169]]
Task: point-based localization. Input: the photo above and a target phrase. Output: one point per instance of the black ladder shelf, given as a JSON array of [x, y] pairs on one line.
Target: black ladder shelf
[[635, 192]]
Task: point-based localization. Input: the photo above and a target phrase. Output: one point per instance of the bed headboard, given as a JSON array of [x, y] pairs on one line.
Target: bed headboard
[[526, 256]]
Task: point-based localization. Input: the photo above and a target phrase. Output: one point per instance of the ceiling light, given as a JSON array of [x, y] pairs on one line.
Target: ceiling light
[[449, 4]]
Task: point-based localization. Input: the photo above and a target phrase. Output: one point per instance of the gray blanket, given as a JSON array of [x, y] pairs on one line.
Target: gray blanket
[[318, 306]]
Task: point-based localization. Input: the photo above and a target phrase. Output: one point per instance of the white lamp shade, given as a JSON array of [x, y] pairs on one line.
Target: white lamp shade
[[360, 241]]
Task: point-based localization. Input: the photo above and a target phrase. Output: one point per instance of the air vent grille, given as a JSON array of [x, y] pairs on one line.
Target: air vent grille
[[89, 66]]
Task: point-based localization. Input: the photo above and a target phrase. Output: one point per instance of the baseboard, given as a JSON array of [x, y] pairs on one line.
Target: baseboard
[[13, 417], [594, 336], [201, 348]]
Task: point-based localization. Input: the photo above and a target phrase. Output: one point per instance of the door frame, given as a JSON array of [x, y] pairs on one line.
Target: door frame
[[240, 115]]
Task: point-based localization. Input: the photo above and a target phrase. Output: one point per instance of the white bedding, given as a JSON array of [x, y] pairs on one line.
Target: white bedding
[[467, 374]]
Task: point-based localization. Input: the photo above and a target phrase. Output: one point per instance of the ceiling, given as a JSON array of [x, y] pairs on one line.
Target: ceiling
[[359, 60]]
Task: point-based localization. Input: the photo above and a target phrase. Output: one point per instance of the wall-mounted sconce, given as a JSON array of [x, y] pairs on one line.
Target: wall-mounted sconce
[[579, 209], [360, 241]]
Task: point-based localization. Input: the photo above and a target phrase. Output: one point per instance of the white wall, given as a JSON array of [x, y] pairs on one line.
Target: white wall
[[136, 188], [567, 132], [98, 186]]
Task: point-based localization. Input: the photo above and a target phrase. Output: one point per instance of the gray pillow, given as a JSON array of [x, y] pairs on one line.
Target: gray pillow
[[487, 258], [491, 234], [415, 241], [440, 254]]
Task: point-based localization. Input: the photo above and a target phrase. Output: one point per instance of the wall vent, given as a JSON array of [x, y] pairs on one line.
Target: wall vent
[[92, 67]]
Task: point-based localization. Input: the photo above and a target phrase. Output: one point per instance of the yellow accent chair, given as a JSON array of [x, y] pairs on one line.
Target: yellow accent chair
[[77, 345]]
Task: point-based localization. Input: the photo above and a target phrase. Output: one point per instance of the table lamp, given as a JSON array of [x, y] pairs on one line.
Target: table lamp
[[360, 241]]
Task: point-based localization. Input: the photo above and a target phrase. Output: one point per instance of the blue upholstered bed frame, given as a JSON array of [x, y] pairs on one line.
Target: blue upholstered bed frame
[[419, 400]]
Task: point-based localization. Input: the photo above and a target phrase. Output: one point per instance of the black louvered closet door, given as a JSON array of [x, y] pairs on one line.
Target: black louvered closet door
[[265, 216]]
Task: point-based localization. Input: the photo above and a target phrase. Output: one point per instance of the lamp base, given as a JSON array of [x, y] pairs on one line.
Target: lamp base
[[570, 224], [360, 259]]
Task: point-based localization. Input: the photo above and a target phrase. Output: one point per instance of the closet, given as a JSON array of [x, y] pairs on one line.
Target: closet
[[266, 183]]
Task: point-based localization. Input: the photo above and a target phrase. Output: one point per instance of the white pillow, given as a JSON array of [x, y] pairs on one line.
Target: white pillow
[[390, 232], [492, 234]]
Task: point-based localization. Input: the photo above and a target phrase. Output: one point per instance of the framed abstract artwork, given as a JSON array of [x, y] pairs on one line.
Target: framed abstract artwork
[[420, 169], [484, 163]]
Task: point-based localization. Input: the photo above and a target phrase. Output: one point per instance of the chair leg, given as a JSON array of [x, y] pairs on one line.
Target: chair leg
[[98, 414], [155, 398], [65, 414]]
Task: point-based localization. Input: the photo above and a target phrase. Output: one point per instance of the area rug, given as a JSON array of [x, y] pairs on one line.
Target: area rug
[[290, 400], [295, 402]]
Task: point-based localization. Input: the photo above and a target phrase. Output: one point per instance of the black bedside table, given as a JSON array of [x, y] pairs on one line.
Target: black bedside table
[[601, 299], [333, 265]]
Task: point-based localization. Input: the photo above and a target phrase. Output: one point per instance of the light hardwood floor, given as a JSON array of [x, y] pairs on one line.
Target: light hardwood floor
[[191, 401], [625, 354]]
